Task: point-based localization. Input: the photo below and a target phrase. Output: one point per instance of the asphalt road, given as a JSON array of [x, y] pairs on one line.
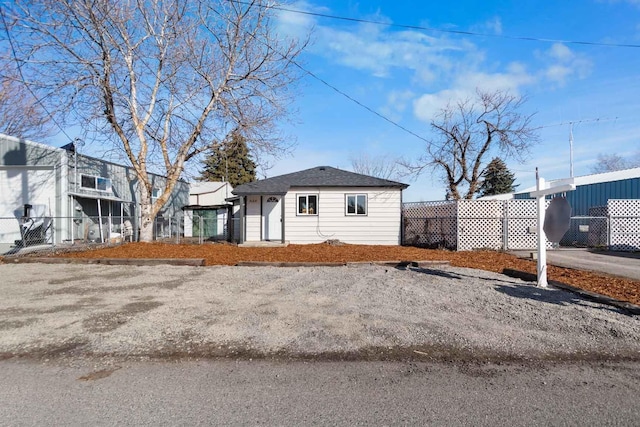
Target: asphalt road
[[623, 264], [318, 393]]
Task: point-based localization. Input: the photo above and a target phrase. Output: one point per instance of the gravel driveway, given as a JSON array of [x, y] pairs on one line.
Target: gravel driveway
[[363, 311]]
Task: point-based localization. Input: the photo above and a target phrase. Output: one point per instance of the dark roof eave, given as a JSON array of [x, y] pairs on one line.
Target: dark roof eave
[[193, 207], [259, 193], [399, 185]]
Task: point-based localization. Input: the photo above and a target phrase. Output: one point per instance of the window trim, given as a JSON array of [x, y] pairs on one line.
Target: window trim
[[155, 194], [356, 195], [96, 179], [306, 196]]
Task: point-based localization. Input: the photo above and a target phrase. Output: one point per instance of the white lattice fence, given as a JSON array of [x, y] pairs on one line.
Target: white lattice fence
[[624, 224], [480, 224], [430, 224], [511, 225], [521, 219]]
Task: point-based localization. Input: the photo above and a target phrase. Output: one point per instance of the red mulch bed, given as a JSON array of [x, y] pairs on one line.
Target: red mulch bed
[[228, 254]]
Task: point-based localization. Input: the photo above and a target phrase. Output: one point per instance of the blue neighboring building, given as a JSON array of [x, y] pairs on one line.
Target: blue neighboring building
[[595, 190]]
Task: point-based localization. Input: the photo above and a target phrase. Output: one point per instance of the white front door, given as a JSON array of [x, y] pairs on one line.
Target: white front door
[[272, 214]]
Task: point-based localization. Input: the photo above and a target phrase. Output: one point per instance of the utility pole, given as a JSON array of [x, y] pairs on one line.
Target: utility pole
[[571, 123], [570, 150]]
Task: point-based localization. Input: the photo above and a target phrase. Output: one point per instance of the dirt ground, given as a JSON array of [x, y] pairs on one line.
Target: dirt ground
[[228, 254]]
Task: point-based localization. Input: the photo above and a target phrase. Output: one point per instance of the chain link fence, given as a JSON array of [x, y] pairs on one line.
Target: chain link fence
[[499, 225], [42, 233]]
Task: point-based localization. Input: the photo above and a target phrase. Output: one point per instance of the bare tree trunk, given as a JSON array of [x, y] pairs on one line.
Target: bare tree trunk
[[146, 227]]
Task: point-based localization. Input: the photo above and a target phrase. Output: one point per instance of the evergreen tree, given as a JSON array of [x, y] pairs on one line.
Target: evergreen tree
[[230, 161], [498, 179]]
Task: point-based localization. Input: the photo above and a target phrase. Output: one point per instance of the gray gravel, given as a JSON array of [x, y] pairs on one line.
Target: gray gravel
[[364, 311]]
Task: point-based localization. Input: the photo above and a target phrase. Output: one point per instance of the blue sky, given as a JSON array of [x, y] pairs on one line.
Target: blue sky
[[408, 75]]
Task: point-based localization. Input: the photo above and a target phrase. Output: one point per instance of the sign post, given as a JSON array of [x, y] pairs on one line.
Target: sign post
[[541, 191]]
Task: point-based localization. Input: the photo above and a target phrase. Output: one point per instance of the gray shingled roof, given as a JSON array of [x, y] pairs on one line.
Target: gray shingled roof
[[320, 176]]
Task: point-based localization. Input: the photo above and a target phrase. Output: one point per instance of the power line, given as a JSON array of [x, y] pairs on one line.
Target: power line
[[329, 85], [371, 110], [18, 66], [458, 32]]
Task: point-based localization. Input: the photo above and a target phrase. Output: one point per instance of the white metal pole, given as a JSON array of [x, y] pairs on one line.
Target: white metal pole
[[542, 239], [571, 150], [100, 221]]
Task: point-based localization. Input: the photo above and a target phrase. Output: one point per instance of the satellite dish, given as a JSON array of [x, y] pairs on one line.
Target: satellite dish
[[557, 219]]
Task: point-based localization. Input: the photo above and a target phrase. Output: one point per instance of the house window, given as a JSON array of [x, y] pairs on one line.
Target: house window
[[155, 193], [356, 204], [95, 183], [307, 204]]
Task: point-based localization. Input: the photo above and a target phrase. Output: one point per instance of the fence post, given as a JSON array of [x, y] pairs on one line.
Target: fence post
[[53, 233], [457, 213], [608, 221], [505, 225], [401, 225], [177, 228]]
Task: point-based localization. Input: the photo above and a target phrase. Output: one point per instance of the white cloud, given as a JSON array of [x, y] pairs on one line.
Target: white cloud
[[297, 25], [427, 106], [491, 26], [496, 25], [397, 102], [558, 73], [372, 48], [562, 64], [560, 52]]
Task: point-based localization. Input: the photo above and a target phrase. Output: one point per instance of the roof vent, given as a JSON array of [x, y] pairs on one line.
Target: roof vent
[[322, 168]]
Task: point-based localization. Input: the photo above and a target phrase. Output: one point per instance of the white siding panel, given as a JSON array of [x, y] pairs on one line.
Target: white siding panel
[[253, 219], [188, 223], [19, 186], [381, 225]]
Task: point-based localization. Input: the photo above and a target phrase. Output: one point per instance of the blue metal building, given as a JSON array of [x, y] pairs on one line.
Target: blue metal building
[[596, 190]]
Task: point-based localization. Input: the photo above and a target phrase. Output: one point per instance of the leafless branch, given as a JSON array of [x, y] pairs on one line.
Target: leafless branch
[[160, 79], [467, 133]]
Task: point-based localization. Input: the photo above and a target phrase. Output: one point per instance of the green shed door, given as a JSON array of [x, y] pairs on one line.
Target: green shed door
[[209, 223]]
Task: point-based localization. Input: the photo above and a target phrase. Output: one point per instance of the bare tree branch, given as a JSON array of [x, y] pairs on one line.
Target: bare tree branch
[[21, 115], [615, 162], [467, 132], [381, 167], [160, 79]]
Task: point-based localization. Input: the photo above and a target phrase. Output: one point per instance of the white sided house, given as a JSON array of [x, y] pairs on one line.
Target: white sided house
[[51, 195], [319, 204]]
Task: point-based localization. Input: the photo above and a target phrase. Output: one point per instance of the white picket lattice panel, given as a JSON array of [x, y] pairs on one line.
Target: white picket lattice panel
[[498, 224], [624, 216], [480, 208], [522, 233], [521, 208], [522, 220]]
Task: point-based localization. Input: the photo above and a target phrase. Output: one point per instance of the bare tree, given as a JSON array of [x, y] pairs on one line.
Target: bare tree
[[160, 79], [381, 167], [614, 162], [470, 131], [20, 113]]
